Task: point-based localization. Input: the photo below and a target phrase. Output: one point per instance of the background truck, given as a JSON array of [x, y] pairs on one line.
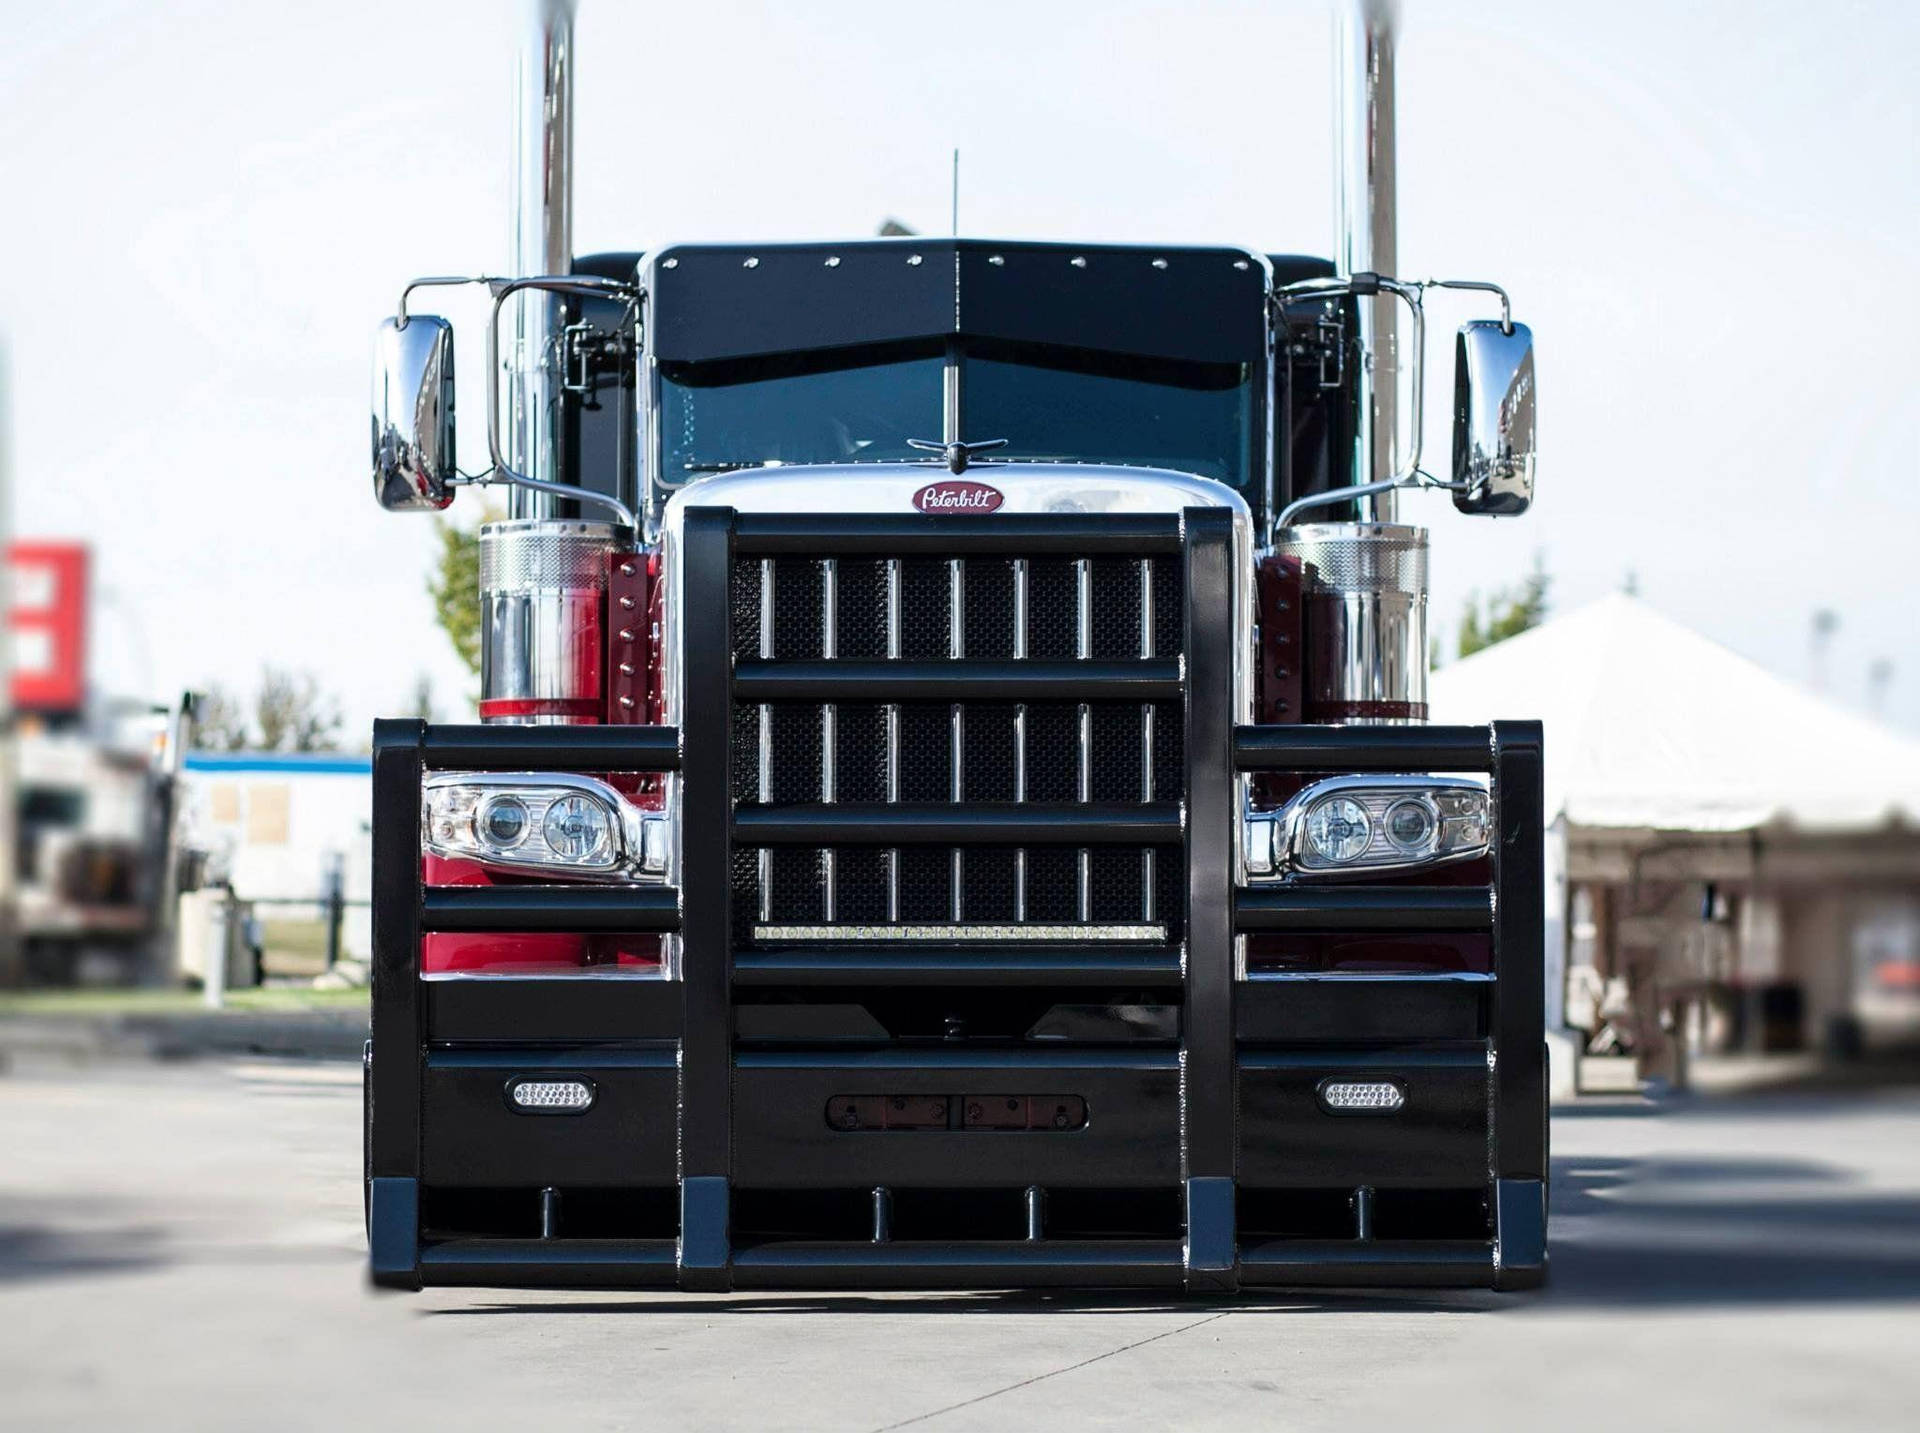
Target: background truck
[[93, 790], [953, 805]]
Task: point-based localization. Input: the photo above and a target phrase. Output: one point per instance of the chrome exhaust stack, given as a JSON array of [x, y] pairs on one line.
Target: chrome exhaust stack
[[543, 580], [1365, 583], [542, 244], [1366, 205]]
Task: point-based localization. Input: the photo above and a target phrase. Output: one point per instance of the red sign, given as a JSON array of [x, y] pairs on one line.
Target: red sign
[[957, 495], [47, 584]]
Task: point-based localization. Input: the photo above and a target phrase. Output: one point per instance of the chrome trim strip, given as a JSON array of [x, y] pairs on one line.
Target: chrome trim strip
[[1020, 732], [1382, 977], [765, 859], [1146, 733], [829, 714], [589, 972], [893, 732], [957, 649], [1083, 649]]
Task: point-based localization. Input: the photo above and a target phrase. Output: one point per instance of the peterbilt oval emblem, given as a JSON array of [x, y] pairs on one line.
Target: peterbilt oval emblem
[[958, 495]]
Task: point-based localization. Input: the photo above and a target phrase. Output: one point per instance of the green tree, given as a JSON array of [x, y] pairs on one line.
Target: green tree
[[291, 714], [219, 723], [454, 586], [1507, 612]]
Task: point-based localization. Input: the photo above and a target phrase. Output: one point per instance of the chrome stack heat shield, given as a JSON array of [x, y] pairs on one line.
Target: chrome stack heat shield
[[1365, 591], [543, 597], [542, 186], [1366, 201]]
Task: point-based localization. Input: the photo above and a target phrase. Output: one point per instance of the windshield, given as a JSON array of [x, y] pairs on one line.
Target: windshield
[[1051, 403], [833, 407], [1074, 405]]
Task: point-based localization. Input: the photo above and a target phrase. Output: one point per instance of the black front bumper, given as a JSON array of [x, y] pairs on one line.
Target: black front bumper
[[1206, 1159]]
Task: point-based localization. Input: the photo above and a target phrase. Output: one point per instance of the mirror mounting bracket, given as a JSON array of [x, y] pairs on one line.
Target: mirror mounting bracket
[[1413, 294]]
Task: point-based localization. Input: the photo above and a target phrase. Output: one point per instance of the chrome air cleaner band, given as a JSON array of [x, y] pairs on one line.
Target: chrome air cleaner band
[[1365, 587], [543, 587]]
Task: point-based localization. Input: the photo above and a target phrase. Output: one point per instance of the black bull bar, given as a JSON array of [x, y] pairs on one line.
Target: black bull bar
[[687, 1110]]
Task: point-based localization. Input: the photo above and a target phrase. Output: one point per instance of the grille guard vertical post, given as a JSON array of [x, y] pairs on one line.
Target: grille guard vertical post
[[1519, 1048], [706, 950], [1209, 1075], [393, 1153]]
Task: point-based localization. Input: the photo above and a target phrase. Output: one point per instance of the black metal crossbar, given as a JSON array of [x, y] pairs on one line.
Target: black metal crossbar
[[1008, 681]]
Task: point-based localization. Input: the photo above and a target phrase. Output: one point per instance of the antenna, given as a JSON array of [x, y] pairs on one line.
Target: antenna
[[956, 192]]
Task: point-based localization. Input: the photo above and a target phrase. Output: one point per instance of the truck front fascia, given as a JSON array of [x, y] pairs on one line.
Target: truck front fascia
[[1208, 1157]]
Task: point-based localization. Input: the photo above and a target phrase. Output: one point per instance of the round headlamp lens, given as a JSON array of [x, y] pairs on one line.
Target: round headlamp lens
[[580, 830], [1338, 830], [503, 822], [1411, 826]]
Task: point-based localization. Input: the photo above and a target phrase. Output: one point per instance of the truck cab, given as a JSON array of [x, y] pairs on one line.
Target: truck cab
[[953, 804]]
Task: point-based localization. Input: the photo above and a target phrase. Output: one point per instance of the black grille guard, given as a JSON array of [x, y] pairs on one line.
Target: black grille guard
[[686, 1025]]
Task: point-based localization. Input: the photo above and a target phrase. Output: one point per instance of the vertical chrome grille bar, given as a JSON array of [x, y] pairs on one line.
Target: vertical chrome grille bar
[[829, 718], [957, 649], [1146, 733], [893, 735], [766, 736], [1083, 649], [1020, 732]]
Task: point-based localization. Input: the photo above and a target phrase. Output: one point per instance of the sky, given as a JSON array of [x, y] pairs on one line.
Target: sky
[[1708, 214]]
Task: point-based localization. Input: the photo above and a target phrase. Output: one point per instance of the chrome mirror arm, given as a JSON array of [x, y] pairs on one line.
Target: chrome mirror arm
[[1411, 474], [1478, 286], [502, 290], [1364, 285], [436, 281], [540, 485]]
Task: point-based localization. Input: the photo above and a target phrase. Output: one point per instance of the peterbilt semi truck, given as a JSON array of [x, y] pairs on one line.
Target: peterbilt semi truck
[[952, 804]]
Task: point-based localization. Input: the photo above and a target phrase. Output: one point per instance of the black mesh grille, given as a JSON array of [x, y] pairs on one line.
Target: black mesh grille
[[1051, 751]]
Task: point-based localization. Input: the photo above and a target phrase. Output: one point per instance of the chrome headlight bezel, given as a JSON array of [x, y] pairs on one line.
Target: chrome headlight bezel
[[1458, 816], [636, 851]]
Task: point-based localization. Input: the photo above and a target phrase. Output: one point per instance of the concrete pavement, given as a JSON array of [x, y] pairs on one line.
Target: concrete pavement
[[180, 1248]]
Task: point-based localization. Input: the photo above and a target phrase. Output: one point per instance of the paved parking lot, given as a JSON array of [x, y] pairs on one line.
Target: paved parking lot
[[180, 1248]]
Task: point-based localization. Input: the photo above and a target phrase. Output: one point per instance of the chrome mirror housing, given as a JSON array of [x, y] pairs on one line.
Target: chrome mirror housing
[[413, 452], [1493, 430]]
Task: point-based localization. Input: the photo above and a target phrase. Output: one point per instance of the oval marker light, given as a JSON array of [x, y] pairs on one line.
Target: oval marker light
[[550, 1096], [1373, 1097]]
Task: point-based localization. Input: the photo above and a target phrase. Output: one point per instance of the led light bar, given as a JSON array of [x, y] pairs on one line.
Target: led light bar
[[569, 1097], [960, 932], [1371, 1097]]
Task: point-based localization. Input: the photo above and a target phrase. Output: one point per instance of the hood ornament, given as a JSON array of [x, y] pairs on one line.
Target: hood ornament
[[957, 454]]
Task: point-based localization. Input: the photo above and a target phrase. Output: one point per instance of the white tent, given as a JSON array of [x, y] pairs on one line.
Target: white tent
[[1650, 725]]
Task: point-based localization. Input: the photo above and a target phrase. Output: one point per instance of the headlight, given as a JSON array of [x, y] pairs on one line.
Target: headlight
[[560, 825], [1337, 830], [580, 830], [502, 823], [1410, 825], [1358, 824]]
